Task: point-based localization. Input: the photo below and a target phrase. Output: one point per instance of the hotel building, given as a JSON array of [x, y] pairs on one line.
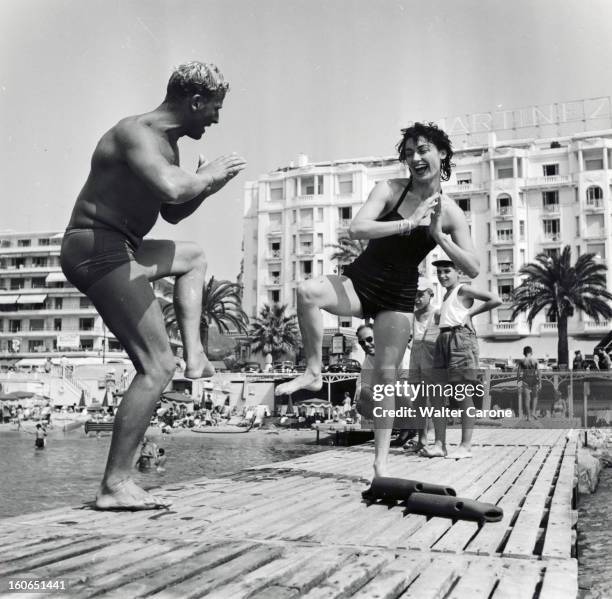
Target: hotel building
[[41, 314], [520, 197]]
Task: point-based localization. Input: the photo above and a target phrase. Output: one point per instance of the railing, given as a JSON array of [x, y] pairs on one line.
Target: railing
[[305, 251], [463, 187], [594, 204], [274, 255], [504, 211], [551, 207], [305, 197], [549, 181], [344, 223], [552, 237], [548, 327], [591, 325], [275, 228], [504, 238], [504, 267], [306, 224], [274, 281]]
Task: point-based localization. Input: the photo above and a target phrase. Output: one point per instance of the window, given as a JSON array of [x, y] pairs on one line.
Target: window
[[504, 231], [306, 217], [550, 200], [86, 324], [504, 204], [593, 164], [16, 283], [594, 196], [276, 221], [320, 268], [522, 252], [577, 251], [594, 225], [505, 260], [552, 252], [311, 185], [44, 241], [14, 326], [6, 243], [505, 287], [489, 260], [488, 232], [464, 178], [24, 243], [522, 230], [306, 244], [57, 324], [38, 282], [552, 229], [293, 271], [319, 242], [294, 216], [345, 184], [577, 226], [37, 324], [505, 172], [59, 303], [504, 315], [275, 249], [599, 249], [306, 270], [276, 191], [36, 345], [84, 303], [87, 344], [550, 170], [345, 213], [39, 261], [274, 296], [345, 323], [293, 244], [464, 204], [320, 215]]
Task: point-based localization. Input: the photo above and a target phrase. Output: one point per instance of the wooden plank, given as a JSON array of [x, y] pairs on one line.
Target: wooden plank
[[435, 580], [478, 578], [351, 576], [518, 582], [560, 580], [394, 578]]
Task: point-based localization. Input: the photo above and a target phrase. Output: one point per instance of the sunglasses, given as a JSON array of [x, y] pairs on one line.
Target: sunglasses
[[366, 340]]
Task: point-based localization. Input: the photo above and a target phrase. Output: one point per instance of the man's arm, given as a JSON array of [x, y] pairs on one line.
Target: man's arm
[[142, 150], [489, 299]]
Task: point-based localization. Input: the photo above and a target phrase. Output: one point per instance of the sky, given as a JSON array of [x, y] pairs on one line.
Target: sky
[[328, 78]]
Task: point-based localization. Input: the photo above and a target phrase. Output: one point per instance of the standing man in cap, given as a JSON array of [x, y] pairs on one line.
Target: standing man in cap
[[455, 358]]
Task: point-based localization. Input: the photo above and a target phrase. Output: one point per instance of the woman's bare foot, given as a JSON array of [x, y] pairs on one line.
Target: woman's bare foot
[[128, 496], [380, 469], [198, 366], [308, 380], [461, 453]]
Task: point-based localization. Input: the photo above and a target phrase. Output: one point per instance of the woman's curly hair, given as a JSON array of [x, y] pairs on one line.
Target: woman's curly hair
[[436, 136]]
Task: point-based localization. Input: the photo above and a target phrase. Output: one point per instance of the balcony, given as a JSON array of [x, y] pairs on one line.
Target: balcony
[[273, 255], [595, 233], [503, 238], [504, 212], [507, 330], [344, 223], [273, 282], [548, 328], [552, 181], [590, 328], [551, 238], [550, 209], [504, 268], [51, 332], [305, 251], [594, 205], [305, 225], [463, 188], [305, 197]]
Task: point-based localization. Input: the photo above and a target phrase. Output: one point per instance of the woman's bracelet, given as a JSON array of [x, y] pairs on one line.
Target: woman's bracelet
[[404, 226]]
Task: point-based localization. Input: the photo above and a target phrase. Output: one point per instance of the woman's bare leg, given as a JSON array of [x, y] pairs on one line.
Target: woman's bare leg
[[332, 293], [392, 331]]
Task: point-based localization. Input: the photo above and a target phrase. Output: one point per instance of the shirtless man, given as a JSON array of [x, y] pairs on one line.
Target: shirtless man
[[135, 177]]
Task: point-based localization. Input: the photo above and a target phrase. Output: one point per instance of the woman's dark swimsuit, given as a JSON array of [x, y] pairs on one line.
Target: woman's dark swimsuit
[[386, 276], [89, 254]]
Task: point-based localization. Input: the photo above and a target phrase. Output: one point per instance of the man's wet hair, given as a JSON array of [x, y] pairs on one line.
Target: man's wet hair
[[196, 77], [436, 136]]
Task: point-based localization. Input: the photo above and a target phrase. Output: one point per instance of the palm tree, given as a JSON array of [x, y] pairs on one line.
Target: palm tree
[[347, 249], [274, 332], [554, 285], [220, 306]]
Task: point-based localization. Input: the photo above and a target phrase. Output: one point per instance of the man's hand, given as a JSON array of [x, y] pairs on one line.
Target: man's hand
[[220, 171]]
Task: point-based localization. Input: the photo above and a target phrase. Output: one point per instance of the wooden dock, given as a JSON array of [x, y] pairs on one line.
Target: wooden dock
[[299, 529]]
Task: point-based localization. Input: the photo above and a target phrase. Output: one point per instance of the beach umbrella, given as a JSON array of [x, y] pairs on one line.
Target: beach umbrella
[[82, 400], [107, 401], [21, 394]]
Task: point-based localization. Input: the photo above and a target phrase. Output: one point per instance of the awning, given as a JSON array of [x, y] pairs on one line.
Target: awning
[[32, 299], [56, 277], [8, 299]]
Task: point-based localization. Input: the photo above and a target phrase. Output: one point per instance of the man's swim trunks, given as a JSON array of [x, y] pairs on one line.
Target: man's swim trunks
[[89, 254]]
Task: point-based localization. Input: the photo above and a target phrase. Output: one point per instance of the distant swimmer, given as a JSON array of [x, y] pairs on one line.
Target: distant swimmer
[[135, 176], [40, 434]]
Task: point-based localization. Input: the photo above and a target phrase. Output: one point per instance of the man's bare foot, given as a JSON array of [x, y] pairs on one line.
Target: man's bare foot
[[436, 451], [198, 366], [461, 453], [128, 496], [308, 380]]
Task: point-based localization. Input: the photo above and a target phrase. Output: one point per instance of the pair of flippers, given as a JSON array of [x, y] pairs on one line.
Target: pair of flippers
[[428, 499]]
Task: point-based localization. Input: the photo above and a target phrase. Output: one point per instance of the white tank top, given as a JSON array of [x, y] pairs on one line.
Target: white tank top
[[452, 311], [426, 331]]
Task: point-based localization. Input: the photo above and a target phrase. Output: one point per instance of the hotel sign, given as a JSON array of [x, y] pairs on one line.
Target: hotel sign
[[546, 120], [68, 341]]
